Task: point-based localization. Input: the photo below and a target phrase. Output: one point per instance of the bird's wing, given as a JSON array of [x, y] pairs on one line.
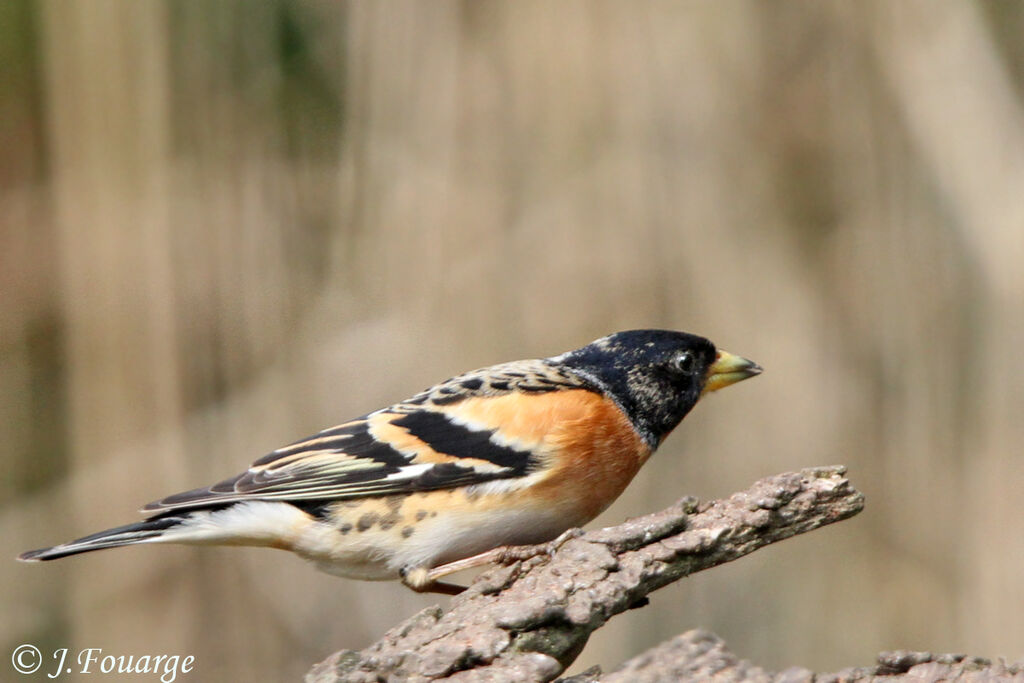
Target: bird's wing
[[474, 428]]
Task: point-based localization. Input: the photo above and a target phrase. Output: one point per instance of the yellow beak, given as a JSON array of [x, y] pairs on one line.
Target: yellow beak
[[729, 369]]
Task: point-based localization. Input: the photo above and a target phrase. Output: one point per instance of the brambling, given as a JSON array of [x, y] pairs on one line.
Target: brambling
[[510, 455]]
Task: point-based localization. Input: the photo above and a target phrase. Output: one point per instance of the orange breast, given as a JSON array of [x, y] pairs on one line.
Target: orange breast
[[590, 449]]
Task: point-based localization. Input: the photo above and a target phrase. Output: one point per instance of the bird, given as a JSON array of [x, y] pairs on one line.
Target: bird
[[512, 455]]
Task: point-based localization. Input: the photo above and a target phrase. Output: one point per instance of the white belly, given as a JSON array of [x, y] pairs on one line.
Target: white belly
[[378, 554]]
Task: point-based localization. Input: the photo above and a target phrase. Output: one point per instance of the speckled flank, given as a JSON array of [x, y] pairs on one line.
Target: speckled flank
[[367, 521], [376, 539]]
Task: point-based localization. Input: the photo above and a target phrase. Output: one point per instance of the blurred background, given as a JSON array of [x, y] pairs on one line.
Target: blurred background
[[224, 226]]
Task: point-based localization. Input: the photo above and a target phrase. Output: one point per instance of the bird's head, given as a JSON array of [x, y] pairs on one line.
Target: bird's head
[[657, 376]]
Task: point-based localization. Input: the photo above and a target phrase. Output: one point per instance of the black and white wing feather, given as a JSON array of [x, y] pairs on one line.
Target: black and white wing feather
[[411, 446]]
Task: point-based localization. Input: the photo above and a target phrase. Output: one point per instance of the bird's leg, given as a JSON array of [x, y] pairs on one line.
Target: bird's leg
[[424, 580], [419, 580], [518, 553]]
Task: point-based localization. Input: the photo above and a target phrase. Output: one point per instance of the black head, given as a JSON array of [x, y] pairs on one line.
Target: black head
[[656, 376]]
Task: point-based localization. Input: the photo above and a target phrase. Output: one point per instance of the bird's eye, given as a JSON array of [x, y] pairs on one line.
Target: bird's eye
[[685, 363]]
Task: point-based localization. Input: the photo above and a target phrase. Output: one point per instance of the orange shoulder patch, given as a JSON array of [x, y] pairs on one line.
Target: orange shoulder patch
[[523, 420]]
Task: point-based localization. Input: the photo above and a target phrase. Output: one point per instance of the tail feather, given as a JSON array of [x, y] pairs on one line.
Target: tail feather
[[140, 532]]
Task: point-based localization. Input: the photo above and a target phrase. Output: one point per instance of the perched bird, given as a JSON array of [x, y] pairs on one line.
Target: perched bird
[[510, 455]]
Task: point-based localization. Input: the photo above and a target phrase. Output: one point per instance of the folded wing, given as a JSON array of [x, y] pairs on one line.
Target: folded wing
[[422, 444]]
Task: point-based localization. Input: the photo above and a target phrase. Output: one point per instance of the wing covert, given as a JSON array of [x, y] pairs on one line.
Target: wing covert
[[383, 454], [417, 445]]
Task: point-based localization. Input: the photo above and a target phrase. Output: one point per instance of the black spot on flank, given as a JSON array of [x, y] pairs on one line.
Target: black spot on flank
[[367, 521], [500, 385], [444, 436], [536, 387], [515, 374], [345, 528], [472, 384], [407, 532], [388, 522], [420, 515]]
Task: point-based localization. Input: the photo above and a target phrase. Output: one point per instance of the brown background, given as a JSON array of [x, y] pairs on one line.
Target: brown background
[[225, 225]]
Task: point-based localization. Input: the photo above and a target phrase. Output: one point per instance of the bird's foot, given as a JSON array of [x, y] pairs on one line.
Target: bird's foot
[[424, 580]]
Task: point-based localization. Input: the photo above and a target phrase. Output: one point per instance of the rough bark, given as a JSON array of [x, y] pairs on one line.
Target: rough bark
[[701, 656], [528, 621]]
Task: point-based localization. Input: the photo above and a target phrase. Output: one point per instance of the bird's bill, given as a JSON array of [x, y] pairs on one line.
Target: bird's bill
[[729, 369]]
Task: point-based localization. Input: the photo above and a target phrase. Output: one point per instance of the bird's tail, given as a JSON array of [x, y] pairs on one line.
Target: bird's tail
[[150, 531]]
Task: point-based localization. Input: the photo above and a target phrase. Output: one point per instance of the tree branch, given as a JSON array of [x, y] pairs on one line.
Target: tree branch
[[528, 621], [701, 656]]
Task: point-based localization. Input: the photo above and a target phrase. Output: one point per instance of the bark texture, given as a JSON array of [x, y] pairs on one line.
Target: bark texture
[[701, 656], [528, 621]]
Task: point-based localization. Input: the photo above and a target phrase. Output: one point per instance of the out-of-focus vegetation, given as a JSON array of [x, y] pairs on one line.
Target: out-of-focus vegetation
[[226, 225]]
